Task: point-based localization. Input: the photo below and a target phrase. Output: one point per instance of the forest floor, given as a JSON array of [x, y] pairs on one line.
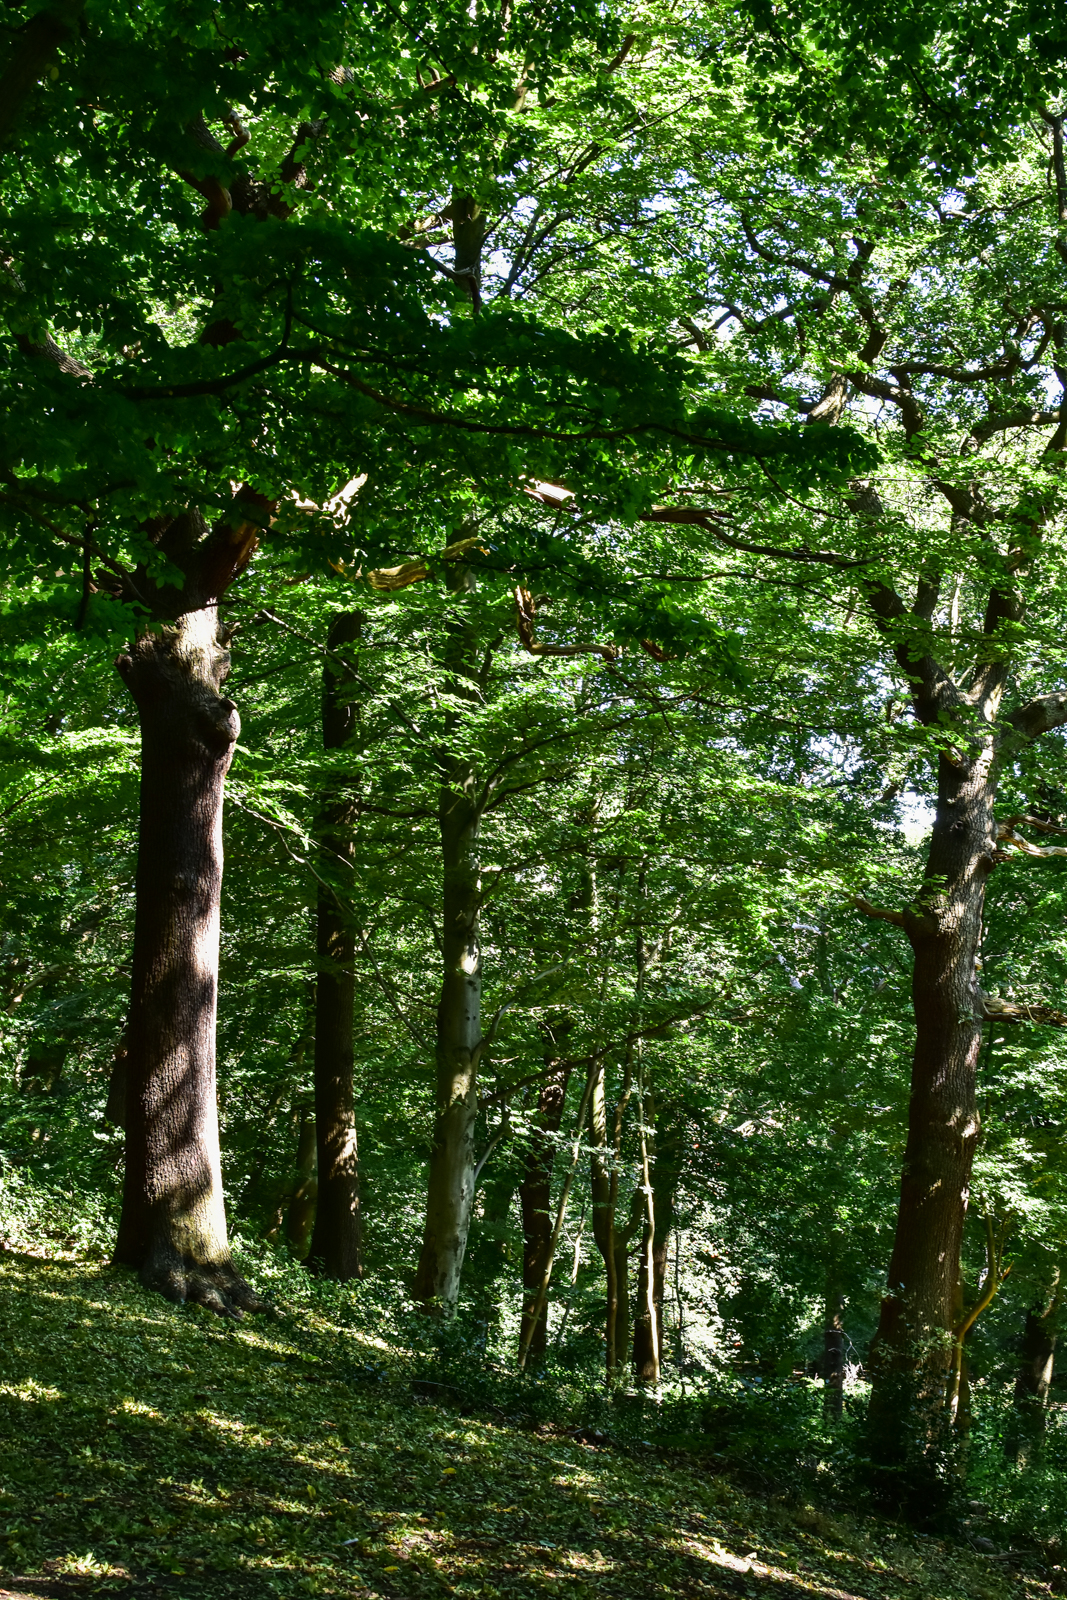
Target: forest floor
[[150, 1450]]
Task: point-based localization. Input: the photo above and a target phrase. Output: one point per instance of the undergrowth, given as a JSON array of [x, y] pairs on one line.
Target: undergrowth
[[346, 1445]]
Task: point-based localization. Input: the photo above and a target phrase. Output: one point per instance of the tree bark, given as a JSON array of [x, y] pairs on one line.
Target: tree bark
[[603, 1220], [535, 1194], [1033, 1381], [911, 1352], [173, 1224], [450, 1186], [665, 1173], [300, 1217], [833, 1353], [336, 1245]]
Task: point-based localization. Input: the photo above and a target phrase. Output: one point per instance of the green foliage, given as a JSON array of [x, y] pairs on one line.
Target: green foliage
[[299, 1457]]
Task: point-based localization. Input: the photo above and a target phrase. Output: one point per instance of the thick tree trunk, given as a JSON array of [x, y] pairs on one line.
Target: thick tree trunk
[[450, 1186], [911, 1353], [336, 1246], [173, 1225], [535, 1193]]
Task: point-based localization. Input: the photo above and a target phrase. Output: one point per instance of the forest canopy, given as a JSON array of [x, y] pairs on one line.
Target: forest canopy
[[569, 501]]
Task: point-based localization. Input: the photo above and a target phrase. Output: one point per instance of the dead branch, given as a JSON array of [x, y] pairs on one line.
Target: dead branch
[[524, 623]]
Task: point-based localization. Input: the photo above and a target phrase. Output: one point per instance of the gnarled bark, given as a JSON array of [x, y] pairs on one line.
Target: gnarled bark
[[912, 1350], [173, 1225]]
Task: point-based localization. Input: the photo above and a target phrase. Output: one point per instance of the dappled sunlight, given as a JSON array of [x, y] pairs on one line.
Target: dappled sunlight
[[153, 1445]]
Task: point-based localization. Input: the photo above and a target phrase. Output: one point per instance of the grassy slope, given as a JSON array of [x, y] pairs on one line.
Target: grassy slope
[[150, 1449]]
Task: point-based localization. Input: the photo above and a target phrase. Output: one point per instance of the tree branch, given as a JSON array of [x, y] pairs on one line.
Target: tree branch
[[996, 1010], [879, 912], [1041, 715], [524, 623]]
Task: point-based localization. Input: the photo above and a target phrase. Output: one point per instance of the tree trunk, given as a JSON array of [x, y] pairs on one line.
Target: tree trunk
[[666, 1170], [621, 1330], [450, 1187], [1033, 1381], [173, 1224], [487, 1249], [300, 1217], [603, 1207], [336, 1245], [833, 1351], [911, 1353], [535, 1194]]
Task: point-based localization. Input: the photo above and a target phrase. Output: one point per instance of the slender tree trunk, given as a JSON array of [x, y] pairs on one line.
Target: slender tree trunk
[[450, 1189], [173, 1224], [336, 1245], [621, 1331], [911, 1353], [603, 1220], [300, 1217], [487, 1249], [833, 1349], [655, 1250], [535, 1192]]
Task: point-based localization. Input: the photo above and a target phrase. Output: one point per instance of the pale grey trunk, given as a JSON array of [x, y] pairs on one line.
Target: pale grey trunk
[[450, 1189]]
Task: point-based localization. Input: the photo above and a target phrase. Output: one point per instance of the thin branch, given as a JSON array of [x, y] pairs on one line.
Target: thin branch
[[897, 918]]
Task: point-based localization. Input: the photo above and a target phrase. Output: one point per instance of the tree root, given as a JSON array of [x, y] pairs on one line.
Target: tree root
[[217, 1286]]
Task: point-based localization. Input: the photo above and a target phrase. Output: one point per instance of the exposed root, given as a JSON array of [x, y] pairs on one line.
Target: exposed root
[[217, 1286]]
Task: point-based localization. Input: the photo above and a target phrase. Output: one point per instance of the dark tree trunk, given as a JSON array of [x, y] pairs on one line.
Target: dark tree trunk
[[1037, 1358], [450, 1185], [173, 1225], [666, 1170], [613, 1243], [535, 1193], [487, 1250], [336, 1244], [911, 1353], [1037, 1354], [300, 1216], [621, 1329]]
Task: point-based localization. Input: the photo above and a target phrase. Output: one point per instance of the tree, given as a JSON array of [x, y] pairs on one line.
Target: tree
[[176, 341], [335, 1245]]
